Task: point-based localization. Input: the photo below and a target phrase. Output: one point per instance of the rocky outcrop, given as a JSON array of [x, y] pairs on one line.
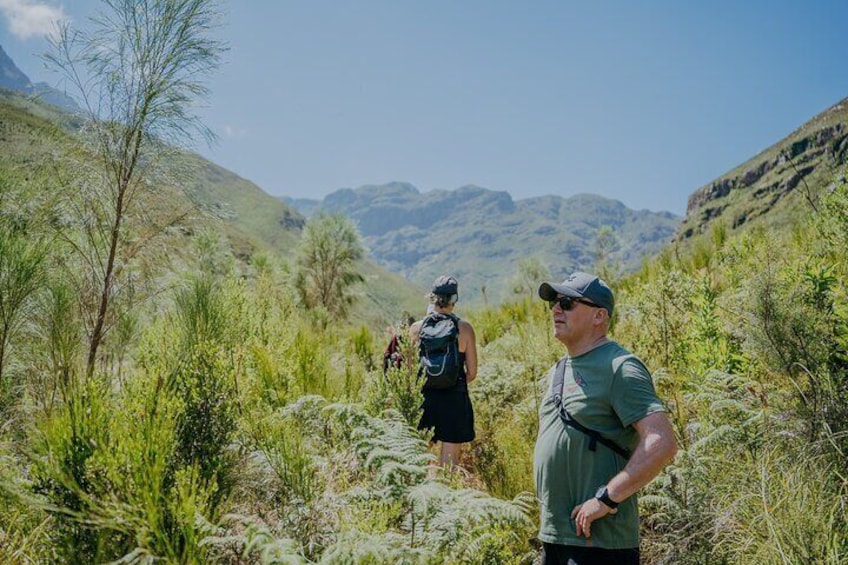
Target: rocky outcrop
[[699, 199], [832, 140], [753, 189], [381, 209]]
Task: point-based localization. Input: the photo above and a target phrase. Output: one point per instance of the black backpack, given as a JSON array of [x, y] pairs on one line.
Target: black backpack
[[438, 343]]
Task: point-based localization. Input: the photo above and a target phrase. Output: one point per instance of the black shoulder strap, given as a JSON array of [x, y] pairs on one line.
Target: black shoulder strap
[[595, 437], [455, 319]]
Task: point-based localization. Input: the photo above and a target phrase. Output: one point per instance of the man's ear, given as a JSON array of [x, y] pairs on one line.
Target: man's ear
[[601, 314]]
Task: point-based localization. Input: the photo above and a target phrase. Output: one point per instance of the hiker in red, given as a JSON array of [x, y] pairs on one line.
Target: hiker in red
[[393, 354], [603, 433], [447, 372]]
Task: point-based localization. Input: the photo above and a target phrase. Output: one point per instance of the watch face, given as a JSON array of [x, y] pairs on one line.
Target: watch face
[[603, 496]]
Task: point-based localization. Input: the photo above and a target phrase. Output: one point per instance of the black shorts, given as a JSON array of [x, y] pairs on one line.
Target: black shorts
[[448, 412], [555, 554]]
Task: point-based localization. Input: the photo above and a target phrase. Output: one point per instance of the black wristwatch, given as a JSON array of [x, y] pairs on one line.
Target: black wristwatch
[[603, 496]]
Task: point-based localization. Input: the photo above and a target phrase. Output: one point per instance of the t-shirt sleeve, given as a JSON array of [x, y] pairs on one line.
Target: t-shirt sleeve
[[633, 395]]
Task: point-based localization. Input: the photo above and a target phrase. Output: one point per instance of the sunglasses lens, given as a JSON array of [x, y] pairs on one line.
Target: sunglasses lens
[[565, 303]]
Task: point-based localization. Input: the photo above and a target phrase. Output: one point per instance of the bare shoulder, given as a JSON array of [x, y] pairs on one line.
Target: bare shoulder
[[466, 328]]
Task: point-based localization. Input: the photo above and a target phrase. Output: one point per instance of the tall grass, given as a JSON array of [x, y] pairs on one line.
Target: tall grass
[[231, 425]]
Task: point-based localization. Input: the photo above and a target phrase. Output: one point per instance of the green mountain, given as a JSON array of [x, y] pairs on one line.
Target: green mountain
[[256, 222], [481, 235], [248, 221], [776, 185]]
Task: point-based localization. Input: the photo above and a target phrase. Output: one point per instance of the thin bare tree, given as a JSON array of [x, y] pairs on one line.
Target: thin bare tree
[[140, 70]]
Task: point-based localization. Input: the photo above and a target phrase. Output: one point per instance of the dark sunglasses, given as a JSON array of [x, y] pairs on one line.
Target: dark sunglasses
[[567, 303]]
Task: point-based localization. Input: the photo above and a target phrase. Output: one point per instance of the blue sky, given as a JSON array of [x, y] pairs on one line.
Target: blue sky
[[643, 102]]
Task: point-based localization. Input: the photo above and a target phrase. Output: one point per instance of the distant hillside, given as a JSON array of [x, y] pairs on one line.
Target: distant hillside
[[248, 220], [778, 183], [481, 235], [306, 206], [12, 78], [32, 135]]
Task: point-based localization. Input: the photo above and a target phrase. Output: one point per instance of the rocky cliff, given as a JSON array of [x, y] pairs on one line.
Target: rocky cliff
[[805, 161]]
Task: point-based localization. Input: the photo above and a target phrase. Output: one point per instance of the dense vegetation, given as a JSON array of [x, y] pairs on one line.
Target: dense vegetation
[[226, 422], [224, 410]]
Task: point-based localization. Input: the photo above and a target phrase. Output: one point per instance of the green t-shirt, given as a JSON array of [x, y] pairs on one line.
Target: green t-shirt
[[606, 389]]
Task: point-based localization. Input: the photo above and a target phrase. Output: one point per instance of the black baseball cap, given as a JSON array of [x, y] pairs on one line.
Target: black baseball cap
[[445, 285], [581, 285]]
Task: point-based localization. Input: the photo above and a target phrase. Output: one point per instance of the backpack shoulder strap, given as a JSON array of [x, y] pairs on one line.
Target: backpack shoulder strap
[[595, 437], [455, 319], [556, 384]]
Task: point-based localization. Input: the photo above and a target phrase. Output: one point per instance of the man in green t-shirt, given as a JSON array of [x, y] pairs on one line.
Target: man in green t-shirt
[[603, 434]]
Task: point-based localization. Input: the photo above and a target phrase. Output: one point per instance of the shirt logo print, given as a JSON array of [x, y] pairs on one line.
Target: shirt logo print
[[570, 387], [578, 378]]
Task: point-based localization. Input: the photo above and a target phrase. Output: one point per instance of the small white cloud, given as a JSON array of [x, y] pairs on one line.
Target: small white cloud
[[229, 131], [28, 18]]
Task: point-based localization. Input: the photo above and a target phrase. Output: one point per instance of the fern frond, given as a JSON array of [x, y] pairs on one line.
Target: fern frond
[[254, 542]]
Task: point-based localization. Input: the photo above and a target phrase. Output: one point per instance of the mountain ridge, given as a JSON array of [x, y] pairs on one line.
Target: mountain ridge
[[13, 78], [482, 235]]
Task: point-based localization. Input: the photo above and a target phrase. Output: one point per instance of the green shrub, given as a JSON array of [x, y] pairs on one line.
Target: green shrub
[[67, 474], [278, 443]]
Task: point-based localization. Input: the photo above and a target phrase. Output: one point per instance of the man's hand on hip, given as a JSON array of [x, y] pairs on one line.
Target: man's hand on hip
[[586, 513]]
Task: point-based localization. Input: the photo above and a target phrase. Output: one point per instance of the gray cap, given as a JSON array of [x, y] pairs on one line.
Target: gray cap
[[581, 285], [445, 285]]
